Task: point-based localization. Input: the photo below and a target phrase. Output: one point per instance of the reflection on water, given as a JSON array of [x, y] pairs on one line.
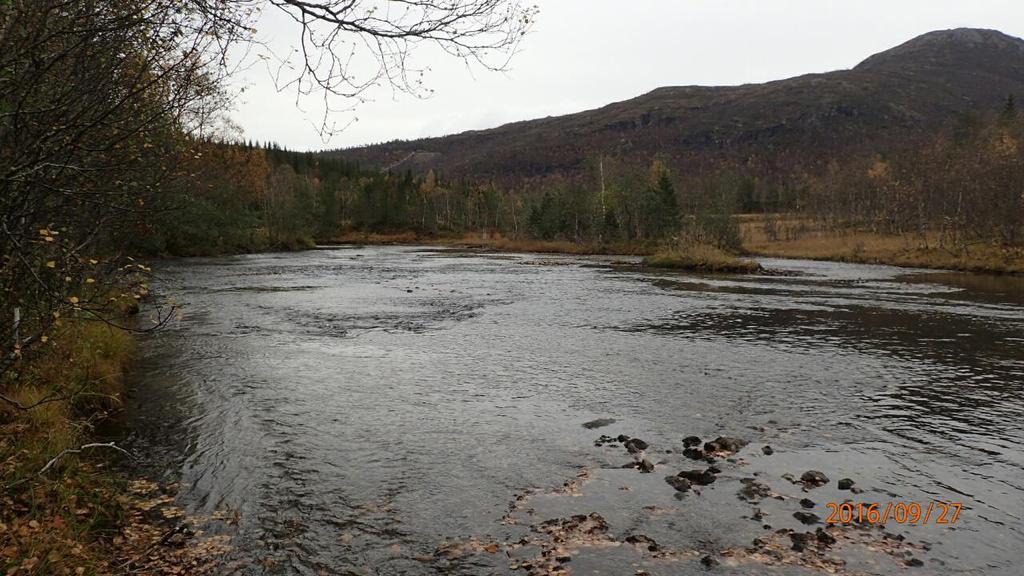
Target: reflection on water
[[359, 406]]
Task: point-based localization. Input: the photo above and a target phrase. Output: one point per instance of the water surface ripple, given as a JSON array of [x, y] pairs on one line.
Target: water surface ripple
[[359, 406]]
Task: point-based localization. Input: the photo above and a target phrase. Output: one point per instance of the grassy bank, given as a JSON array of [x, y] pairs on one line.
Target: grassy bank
[[63, 520], [701, 258], [67, 504], [794, 237], [493, 242]]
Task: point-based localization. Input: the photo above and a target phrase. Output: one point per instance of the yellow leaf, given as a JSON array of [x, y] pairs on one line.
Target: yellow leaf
[[51, 264], [44, 339], [89, 281], [92, 261], [73, 299]]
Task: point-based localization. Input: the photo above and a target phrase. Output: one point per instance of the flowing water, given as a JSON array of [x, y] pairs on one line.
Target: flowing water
[[395, 410]]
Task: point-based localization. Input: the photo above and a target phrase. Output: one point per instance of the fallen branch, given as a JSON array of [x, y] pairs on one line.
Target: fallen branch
[[79, 450], [64, 453]]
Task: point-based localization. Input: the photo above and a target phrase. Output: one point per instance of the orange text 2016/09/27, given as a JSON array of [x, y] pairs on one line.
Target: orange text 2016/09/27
[[898, 512]]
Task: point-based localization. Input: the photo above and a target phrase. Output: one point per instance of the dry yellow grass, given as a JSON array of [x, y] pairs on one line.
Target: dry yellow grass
[[797, 237], [62, 521], [701, 258], [801, 238], [495, 242]]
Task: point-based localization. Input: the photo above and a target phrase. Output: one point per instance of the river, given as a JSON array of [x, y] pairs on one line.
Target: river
[[403, 410]]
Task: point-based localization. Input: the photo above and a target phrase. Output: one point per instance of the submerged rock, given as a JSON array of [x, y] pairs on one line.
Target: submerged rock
[[768, 450], [699, 477], [802, 540], [642, 541], [636, 445], [846, 484], [813, 479], [753, 490], [645, 466], [598, 423], [680, 484], [807, 517], [725, 444], [693, 453], [807, 503], [691, 441], [709, 562]]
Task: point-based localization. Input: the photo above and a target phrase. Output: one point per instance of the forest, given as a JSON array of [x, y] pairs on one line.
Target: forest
[[956, 189]]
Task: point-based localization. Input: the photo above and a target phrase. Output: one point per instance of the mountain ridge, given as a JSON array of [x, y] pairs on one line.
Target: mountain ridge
[[905, 90]]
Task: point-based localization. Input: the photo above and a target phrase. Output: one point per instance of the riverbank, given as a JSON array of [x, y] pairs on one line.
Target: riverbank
[[62, 495], [72, 503], [492, 242], [855, 247], [793, 237]]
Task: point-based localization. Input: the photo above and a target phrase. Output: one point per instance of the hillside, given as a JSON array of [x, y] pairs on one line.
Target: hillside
[[919, 85]]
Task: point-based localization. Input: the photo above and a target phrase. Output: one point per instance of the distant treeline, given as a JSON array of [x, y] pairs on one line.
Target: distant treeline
[[965, 184]]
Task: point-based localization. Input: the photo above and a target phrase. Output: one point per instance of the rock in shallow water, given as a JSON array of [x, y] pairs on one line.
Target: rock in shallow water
[[680, 484], [636, 445], [725, 444], [699, 477], [709, 562], [693, 453], [691, 441], [753, 490], [599, 423], [846, 484], [642, 541], [807, 517], [813, 479]]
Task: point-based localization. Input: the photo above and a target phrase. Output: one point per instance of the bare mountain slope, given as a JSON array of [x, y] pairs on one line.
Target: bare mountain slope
[[918, 85]]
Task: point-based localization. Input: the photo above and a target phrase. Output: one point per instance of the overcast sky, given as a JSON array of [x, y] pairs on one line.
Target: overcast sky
[[583, 54]]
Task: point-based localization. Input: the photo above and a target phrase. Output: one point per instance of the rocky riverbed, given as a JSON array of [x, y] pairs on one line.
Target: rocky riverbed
[[566, 530]]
